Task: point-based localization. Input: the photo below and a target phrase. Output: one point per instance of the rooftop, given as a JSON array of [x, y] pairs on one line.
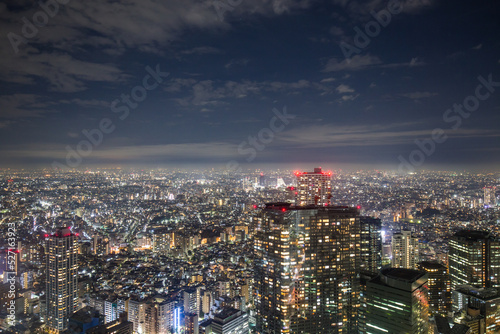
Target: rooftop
[[402, 274]]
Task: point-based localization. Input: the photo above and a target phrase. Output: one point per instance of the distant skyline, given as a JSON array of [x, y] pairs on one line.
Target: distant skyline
[[214, 81]]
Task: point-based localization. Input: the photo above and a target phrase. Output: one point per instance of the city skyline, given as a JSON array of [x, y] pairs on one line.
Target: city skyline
[[361, 81]]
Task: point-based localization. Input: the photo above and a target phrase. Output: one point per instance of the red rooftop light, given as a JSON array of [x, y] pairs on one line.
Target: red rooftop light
[[255, 206], [46, 235], [283, 209], [358, 207]]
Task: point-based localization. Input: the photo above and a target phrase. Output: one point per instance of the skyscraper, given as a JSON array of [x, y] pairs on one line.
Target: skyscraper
[[314, 187], [397, 303], [490, 199], [404, 250], [371, 244], [62, 278], [306, 271], [439, 287], [474, 259]]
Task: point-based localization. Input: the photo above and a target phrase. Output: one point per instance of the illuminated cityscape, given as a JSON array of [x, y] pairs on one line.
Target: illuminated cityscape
[[249, 167], [204, 251]]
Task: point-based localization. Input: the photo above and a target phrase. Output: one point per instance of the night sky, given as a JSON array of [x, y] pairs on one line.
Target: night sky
[[156, 83]]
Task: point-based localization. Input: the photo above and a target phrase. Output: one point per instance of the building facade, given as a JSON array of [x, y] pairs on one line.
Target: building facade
[[306, 272], [371, 244], [397, 303], [439, 284], [474, 259], [62, 278], [404, 250], [314, 188]]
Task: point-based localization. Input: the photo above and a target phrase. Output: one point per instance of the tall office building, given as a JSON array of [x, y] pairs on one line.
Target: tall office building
[[481, 304], [397, 303], [371, 244], [314, 188], [306, 269], [490, 199], [474, 259], [404, 250], [62, 278], [439, 287]]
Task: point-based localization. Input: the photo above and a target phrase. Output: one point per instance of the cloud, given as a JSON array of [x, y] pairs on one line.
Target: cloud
[[129, 153], [234, 62], [210, 92], [22, 105], [361, 62], [349, 97], [62, 72], [337, 31], [58, 52], [418, 95], [341, 89], [87, 103], [201, 50], [328, 80], [360, 9], [355, 63], [5, 124], [329, 135], [477, 47], [412, 63]]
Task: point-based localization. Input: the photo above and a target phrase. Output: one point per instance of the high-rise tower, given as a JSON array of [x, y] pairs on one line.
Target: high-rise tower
[[404, 250], [397, 303], [306, 269], [62, 276], [314, 187], [474, 259], [371, 244], [439, 287], [490, 199]]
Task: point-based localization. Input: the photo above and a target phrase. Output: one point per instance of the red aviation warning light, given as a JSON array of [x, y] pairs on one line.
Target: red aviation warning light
[[283, 209], [297, 173], [255, 206], [358, 207]]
